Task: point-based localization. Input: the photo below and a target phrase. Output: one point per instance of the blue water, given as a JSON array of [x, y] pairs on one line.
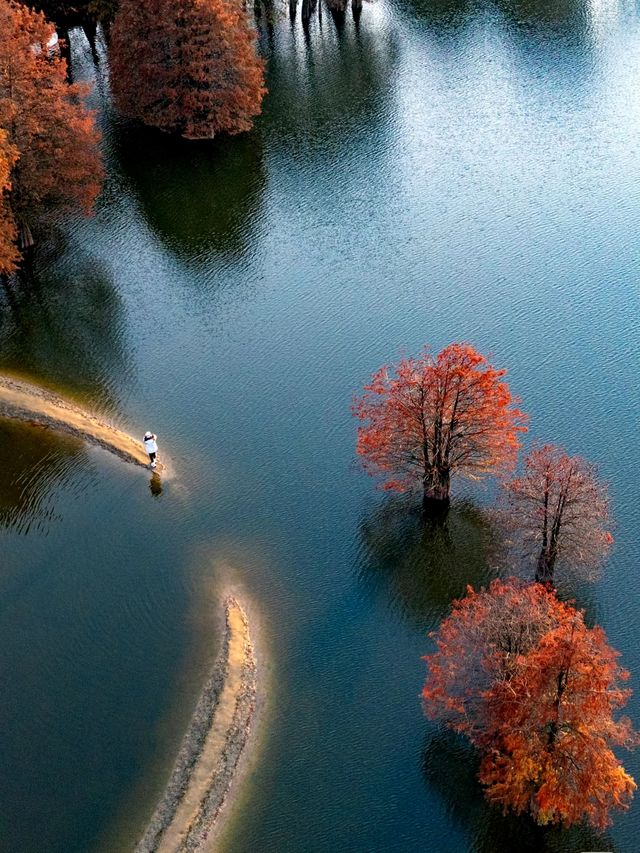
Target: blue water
[[447, 171]]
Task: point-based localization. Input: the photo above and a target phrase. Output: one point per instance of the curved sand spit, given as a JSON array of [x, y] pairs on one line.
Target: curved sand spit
[[211, 749], [26, 402]]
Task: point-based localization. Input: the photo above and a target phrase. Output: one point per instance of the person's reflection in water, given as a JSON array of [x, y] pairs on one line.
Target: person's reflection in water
[[450, 769], [155, 485]]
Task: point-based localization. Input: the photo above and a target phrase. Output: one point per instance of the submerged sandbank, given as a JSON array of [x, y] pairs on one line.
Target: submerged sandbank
[[23, 401], [211, 750]]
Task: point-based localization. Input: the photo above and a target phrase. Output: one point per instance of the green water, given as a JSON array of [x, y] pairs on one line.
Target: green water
[[448, 170]]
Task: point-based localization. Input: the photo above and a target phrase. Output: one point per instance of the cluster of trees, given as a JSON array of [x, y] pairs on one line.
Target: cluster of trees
[[516, 670], [49, 156], [189, 67], [185, 66], [79, 13], [337, 8], [430, 418]]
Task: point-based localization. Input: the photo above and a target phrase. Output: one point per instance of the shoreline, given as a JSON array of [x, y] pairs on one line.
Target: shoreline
[[29, 403], [214, 750], [251, 754]]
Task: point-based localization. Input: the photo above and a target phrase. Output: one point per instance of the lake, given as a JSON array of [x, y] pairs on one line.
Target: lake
[[444, 171]]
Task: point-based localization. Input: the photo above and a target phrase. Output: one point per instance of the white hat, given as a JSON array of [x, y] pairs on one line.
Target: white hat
[[148, 434]]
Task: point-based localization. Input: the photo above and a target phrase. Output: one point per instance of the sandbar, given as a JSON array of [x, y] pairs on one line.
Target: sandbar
[[209, 757], [23, 401]]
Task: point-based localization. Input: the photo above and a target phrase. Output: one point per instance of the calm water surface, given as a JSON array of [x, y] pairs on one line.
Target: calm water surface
[[450, 170]]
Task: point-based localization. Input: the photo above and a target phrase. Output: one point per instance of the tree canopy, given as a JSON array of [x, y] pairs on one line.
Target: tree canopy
[[9, 254], [186, 66], [558, 512], [430, 417], [51, 141], [535, 690]]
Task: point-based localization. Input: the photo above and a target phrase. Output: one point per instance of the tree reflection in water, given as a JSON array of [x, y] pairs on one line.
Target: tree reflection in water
[[545, 20], [200, 198], [62, 325], [421, 565], [65, 324], [35, 463], [450, 768]]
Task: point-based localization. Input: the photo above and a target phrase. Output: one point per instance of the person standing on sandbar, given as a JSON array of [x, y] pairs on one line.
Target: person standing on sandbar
[[150, 442]]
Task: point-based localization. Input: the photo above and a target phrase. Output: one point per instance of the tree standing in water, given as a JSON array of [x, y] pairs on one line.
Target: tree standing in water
[[67, 14], [55, 162], [558, 512], [431, 417], [535, 690], [186, 66]]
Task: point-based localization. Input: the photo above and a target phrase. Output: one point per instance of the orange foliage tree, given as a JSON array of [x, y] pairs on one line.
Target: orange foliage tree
[[8, 233], [52, 137], [558, 511], [186, 66], [433, 416], [522, 676]]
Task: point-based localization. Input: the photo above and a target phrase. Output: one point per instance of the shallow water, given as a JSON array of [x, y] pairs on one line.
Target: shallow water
[[447, 171]]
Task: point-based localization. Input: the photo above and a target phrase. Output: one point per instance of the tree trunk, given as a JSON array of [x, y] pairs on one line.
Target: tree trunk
[[337, 9], [105, 26], [90, 28], [436, 491], [545, 566]]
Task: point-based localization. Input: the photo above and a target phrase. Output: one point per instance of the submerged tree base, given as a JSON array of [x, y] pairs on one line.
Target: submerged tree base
[[435, 507]]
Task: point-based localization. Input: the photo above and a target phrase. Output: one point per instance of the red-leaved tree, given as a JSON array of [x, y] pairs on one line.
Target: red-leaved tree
[[430, 417], [535, 690], [186, 66], [9, 254], [56, 164], [557, 512]]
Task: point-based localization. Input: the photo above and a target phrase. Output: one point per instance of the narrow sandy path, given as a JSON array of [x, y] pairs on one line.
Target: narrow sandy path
[[211, 749], [26, 402]]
